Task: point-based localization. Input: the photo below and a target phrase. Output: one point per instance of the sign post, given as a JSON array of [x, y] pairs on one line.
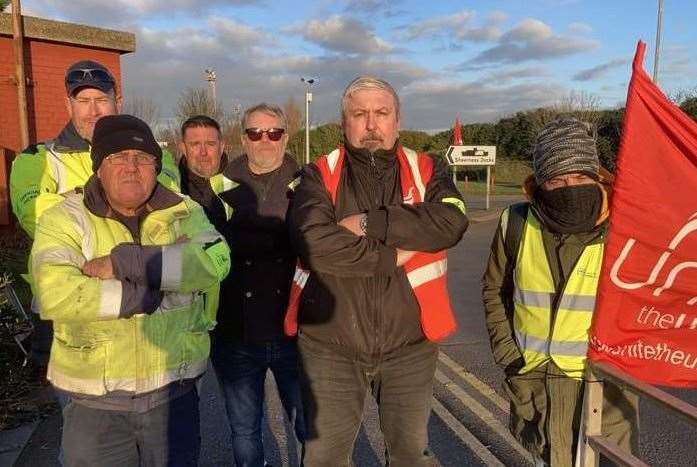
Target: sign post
[[473, 156]]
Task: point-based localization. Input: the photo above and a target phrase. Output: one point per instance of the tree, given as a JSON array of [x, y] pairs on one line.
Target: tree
[[144, 108], [4, 4], [293, 115]]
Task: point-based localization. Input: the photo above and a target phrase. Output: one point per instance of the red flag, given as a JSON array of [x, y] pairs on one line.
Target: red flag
[[646, 314], [457, 133]]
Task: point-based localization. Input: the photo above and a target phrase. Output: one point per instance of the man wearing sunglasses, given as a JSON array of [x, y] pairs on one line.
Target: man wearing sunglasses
[[249, 338], [372, 222]]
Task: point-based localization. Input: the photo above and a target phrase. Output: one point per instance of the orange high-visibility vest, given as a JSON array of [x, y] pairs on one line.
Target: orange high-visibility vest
[[426, 272]]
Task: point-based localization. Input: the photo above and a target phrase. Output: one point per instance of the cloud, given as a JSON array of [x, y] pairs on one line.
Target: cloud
[[600, 70], [511, 74], [580, 28], [531, 39], [456, 26], [438, 101], [115, 13], [342, 34], [676, 64], [388, 8]]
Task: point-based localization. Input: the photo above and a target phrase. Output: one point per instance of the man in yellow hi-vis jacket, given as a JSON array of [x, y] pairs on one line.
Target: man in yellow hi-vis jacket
[[539, 295], [119, 268]]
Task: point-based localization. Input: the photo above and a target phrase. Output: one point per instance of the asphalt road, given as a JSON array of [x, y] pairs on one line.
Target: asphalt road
[[468, 423]]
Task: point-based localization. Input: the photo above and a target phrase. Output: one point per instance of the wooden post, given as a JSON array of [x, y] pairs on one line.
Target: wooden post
[[591, 424], [18, 39]]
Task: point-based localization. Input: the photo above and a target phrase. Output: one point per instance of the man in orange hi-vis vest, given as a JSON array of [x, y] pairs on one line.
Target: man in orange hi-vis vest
[[371, 222]]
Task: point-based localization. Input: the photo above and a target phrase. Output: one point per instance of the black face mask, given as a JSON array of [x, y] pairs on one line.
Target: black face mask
[[570, 209]]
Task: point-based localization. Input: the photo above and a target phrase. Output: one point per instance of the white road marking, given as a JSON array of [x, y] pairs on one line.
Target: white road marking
[[483, 388], [465, 435]]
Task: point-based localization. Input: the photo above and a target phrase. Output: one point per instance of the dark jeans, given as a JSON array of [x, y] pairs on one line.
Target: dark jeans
[[241, 370], [167, 435], [334, 388]]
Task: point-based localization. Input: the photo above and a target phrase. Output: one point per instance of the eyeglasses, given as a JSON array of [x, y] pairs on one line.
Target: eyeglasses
[[88, 74], [138, 159], [255, 134]]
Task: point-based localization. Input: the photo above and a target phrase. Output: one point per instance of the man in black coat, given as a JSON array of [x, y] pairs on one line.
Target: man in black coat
[[249, 338]]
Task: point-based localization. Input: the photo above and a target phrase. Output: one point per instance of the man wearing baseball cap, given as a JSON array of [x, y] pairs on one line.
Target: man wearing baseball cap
[[119, 268], [539, 293], [43, 173]]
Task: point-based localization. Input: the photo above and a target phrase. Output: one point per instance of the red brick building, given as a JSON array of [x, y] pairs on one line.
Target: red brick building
[[49, 48]]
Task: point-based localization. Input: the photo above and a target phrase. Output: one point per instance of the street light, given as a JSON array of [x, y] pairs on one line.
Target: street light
[[210, 77], [308, 98]]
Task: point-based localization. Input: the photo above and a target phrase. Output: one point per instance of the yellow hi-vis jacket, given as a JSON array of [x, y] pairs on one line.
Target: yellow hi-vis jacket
[[95, 349], [541, 332]]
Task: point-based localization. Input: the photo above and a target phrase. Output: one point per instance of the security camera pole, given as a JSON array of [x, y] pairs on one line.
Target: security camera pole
[[308, 98], [210, 77]]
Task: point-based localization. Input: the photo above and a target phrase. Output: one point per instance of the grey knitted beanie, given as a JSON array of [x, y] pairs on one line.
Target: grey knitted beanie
[[563, 146]]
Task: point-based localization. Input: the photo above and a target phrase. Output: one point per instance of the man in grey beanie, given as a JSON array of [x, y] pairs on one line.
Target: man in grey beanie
[[539, 295]]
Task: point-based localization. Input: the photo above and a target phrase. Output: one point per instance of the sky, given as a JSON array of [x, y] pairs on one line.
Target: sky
[[476, 60]]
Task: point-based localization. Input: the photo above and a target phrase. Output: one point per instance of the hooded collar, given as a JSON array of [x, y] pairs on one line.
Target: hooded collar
[[95, 200], [69, 140]]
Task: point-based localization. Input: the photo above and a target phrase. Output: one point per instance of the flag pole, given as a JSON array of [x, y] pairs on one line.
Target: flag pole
[[659, 28]]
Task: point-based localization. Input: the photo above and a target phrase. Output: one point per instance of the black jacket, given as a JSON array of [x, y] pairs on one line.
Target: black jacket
[[254, 296], [356, 298]]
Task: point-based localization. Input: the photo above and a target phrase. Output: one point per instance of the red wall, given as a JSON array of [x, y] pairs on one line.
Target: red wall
[[45, 65]]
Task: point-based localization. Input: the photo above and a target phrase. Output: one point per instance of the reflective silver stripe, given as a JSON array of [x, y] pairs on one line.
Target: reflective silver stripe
[[427, 273], [569, 348], [578, 302], [172, 266], [99, 386], [75, 207], [57, 256], [300, 277], [531, 343], [413, 159], [557, 348], [58, 169], [529, 298], [332, 159], [110, 299]]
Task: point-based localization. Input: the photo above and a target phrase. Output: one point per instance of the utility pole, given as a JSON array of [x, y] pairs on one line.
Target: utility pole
[[308, 98], [18, 39], [659, 30], [210, 77]]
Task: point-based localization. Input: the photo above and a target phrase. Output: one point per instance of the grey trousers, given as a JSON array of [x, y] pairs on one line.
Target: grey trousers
[[334, 389], [167, 435]]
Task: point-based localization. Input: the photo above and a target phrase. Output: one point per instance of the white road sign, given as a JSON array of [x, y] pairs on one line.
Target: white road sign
[[471, 155]]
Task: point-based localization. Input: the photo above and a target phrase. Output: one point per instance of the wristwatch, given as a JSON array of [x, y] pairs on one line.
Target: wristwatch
[[363, 223]]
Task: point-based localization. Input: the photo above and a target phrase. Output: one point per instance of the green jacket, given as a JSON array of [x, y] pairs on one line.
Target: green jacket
[[562, 252], [43, 173], [146, 327]]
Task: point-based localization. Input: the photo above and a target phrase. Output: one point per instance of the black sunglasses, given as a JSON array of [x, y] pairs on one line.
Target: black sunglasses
[[89, 74], [255, 134]]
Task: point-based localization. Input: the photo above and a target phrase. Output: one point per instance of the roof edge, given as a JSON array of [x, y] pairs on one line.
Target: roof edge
[[71, 33]]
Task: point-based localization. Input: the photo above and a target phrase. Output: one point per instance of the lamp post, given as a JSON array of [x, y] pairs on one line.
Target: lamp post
[[210, 77], [659, 31], [308, 98]]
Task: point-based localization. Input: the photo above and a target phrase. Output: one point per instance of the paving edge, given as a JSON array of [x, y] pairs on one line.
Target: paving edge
[[484, 217]]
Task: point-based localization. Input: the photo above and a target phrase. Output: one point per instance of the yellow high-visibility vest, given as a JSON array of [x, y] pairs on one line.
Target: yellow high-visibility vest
[[541, 334]]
